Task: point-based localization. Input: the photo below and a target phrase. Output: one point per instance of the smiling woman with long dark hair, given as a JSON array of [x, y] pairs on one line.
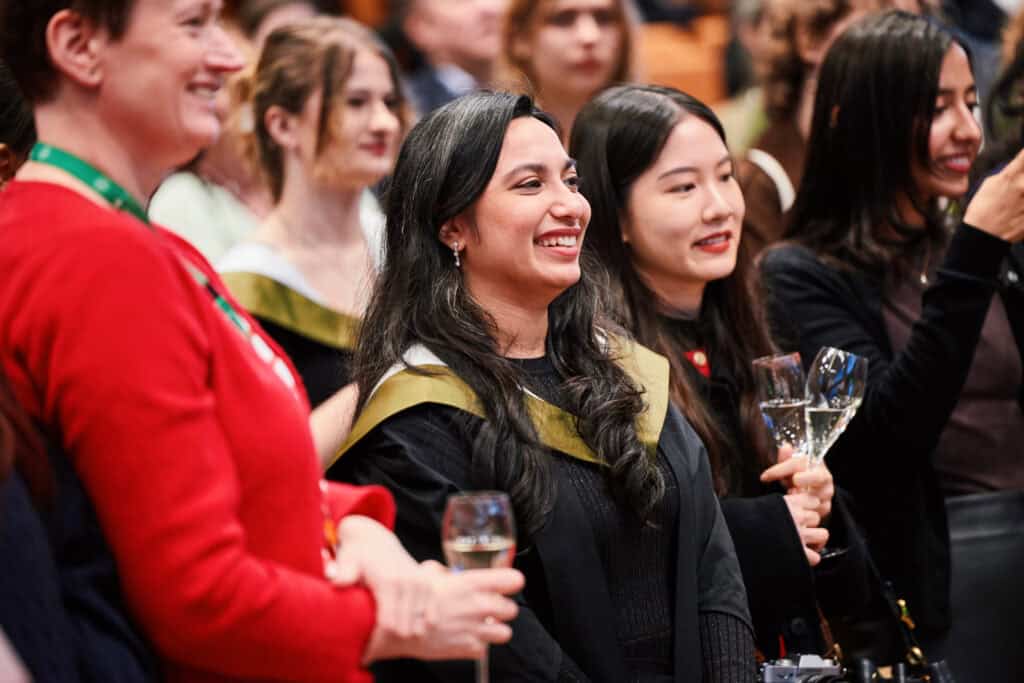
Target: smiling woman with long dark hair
[[667, 223], [880, 266], [486, 361]]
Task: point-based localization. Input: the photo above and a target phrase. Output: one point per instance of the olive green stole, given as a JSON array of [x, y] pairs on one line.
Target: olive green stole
[[434, 382], [271, 300]]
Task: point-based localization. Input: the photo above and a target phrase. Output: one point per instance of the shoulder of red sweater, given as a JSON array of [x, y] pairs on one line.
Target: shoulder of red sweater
[[56, 221]]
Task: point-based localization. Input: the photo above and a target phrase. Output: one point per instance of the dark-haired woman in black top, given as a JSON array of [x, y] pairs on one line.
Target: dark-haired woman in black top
[[667, 224], [879, 268], [485, 362]]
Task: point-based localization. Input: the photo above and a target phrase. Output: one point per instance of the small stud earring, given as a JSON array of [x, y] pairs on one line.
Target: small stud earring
[[455, 251]]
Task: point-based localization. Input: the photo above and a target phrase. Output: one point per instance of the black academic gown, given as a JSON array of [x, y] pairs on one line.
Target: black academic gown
[[566, 620], [318, 340]]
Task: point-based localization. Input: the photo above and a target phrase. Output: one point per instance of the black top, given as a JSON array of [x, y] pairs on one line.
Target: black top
[[324, 368], [883, 457], [783, 590], [606, 598]]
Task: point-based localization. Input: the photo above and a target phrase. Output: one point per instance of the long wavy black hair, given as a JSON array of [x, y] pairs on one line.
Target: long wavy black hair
[[616, 137], [420, 298], [872, 117]]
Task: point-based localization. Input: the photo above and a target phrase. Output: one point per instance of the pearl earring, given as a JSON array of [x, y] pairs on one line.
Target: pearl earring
[[455, 251]]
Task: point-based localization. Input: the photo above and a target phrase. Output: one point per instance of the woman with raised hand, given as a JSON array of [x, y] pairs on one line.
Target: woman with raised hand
[[667, 224], [880, 265], [567, 51], [328, 118], [185, 423], [485, 361]]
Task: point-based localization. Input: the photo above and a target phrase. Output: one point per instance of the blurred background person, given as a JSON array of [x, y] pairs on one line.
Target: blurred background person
[[1004, 108], [329, 117], [879, 267], [743, 115], [980, 24], [799, 35], [184, 422], [456, 42], [220, 198], [567, 51]]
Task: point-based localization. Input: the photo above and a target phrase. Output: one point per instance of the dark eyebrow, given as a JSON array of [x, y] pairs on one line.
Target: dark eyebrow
[[538, 168], [692, 169]]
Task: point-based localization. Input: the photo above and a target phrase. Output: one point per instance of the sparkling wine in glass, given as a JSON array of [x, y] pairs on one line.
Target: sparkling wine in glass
[[780, 393], [835, 388], [479, 532]]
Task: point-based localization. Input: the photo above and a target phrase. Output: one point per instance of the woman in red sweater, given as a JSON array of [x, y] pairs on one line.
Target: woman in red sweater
[[186, 425]]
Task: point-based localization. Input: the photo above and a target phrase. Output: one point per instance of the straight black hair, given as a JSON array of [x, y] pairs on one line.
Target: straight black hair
[[616, 137], [444, 166], [872, 119]]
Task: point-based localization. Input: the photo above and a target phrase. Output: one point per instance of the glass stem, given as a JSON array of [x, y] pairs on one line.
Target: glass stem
[[482, 668]]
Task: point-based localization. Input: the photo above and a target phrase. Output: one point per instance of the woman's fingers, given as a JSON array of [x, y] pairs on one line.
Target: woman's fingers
[[503, 581], [783, 470], [814, 537]]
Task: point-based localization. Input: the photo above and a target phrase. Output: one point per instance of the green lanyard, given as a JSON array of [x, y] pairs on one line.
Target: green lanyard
[[119, 198], [116, 195]]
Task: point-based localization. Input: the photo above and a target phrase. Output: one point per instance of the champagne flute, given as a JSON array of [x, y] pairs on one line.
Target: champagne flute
[[780, 392], [835, 388], [478, 532]]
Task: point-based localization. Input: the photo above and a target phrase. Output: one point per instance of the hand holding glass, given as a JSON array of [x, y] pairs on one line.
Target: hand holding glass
[[478, 532]]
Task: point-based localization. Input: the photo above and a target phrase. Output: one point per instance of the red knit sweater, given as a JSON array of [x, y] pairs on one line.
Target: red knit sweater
[[198, 458]]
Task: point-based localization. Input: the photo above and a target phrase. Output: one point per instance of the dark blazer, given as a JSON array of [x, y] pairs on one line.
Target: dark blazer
[[883, 458], [423, 455], [427, 91]]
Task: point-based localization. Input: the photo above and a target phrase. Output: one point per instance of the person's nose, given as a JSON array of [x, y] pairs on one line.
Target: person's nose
[[223, 56], [587, 30]]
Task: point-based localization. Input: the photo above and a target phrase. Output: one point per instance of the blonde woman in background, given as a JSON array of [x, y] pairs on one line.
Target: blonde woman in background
[[567, 51], [328, 119]]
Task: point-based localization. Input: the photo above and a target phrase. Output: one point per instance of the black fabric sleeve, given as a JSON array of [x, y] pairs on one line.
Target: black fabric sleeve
[[422, 456], [727, 646], [910, 395], [719, 581], [778, 580]]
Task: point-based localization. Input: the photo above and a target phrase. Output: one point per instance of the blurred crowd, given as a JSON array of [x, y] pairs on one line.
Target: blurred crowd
[[278, 277]]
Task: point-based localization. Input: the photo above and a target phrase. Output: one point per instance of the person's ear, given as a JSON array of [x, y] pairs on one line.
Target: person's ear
[[454, 233], [76, 46], [282, 126]]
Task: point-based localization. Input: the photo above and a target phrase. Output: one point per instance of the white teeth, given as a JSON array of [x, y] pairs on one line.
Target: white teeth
[[205, 91], [561, 241], [717, 239]]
